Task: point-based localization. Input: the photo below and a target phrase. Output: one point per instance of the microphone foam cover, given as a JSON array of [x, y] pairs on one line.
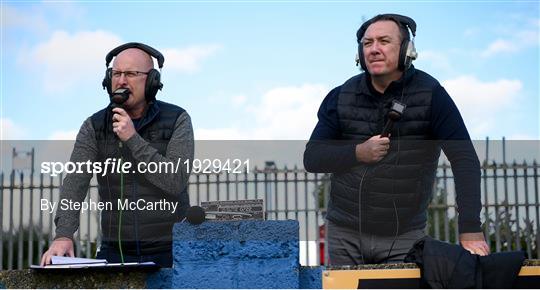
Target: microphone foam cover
[[195, 215], [120, 96]]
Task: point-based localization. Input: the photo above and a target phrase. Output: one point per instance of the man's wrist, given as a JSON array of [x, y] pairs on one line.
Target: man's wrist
[[469, 227], [63, 238], [134, 141], [358, 151], [479, 236]]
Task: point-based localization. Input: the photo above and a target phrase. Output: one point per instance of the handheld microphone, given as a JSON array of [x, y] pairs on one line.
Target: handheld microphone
[[119, 97], [393, 115]]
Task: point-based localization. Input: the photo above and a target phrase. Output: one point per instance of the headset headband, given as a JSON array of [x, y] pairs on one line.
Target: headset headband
[[403, 20], [153, 52]]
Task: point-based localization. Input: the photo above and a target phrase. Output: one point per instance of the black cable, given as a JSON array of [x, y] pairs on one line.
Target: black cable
[[397, 231], [120, 146], [136, 217], [396, 162], [134, 188], [360, 212], [120, 150], [121, 198]]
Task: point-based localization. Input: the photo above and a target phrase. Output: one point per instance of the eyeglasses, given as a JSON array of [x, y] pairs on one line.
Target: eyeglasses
[[129, 74]]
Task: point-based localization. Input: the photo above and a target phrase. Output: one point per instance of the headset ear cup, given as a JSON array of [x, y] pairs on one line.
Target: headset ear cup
[[402, 62], [411, 54], [153, 84], [106, 83]]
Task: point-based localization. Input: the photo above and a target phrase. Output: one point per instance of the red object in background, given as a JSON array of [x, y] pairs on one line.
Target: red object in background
[[322, 236]]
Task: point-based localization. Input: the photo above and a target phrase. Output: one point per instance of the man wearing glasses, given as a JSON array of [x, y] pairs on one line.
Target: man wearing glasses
[[139, 130]]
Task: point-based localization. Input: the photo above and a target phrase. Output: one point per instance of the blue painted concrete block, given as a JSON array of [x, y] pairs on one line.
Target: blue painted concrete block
[[268, 230], [236, 254], [208, 231], [261, 249], [237, 230], [268, 273], [311, 277], [204, 250], [193, 274]]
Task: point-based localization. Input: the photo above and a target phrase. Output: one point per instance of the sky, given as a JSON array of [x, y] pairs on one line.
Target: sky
[[248, 70]]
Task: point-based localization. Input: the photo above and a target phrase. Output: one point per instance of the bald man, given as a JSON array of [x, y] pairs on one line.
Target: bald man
[[149, 131]]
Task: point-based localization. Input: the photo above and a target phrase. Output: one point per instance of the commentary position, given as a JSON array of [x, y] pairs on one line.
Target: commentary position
[[135, 128], [380, 134]]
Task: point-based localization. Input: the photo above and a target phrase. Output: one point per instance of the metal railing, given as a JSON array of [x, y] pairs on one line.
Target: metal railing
[[509, 191], [510, 201]]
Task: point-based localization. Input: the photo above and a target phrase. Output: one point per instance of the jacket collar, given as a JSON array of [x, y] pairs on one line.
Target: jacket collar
[[151, 113], [396, 85]]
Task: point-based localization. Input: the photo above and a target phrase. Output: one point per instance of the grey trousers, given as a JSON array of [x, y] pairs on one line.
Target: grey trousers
[[348, 247]]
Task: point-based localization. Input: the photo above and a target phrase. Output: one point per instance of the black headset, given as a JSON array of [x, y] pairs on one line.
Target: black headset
[[153, 83], [407, 51]]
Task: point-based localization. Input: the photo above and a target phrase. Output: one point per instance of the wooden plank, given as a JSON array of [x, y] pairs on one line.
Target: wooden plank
[[529, 271], [340, 279], [349, 278]]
